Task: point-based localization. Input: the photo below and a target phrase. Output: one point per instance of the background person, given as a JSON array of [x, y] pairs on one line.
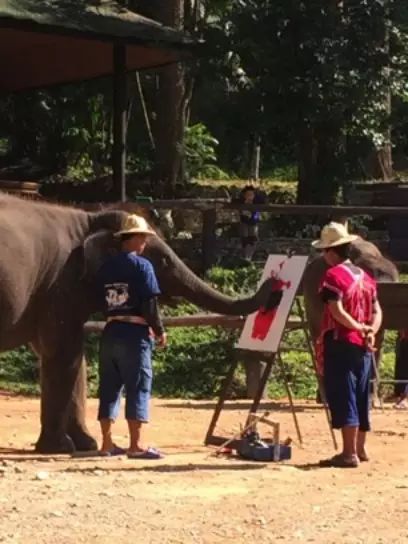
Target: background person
[[129, 286], [352, 316], [249, 221]]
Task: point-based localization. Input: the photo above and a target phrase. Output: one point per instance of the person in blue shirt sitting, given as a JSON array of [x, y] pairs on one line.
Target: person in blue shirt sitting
[[249, 220], [128, 285]]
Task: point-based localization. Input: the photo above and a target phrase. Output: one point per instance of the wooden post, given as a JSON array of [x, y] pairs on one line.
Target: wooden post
[[119, 120], [209, 239]]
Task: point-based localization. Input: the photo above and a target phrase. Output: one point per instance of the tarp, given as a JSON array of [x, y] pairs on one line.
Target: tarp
[[47, 42]]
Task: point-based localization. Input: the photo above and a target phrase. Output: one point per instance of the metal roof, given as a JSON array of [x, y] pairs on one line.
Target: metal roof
[[47, 42]]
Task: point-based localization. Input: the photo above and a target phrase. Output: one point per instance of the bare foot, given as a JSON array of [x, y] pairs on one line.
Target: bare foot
[[362, 455]]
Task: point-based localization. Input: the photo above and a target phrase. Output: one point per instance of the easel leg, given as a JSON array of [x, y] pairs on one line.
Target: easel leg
[[319, 381], [376, 362], [221, 401], [290, 397], [261, 387], [377, 400]]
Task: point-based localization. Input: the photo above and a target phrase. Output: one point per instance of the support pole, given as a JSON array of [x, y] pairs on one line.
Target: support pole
[[119, 120], [209, 239]]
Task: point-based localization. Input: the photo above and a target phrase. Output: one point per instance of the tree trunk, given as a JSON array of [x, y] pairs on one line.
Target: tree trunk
[[320, 154], [307, 151], [379, 164], [169, 125], [255, 158], [170, 100]]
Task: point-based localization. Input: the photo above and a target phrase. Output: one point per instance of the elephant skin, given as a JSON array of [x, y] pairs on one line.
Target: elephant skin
[[49, 258], [363, 254]]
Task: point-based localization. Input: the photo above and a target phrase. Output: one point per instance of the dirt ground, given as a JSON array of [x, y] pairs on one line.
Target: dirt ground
[[192, 497]]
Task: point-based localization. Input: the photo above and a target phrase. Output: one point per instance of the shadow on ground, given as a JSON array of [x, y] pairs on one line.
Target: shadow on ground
[[189, 467], [242, 406]]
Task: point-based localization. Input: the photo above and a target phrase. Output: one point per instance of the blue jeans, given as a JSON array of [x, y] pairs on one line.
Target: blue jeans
[[347, 373], [125, 363]]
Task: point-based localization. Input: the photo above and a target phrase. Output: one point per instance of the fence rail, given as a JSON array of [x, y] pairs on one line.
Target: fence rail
[[210, 207], [226, 204], [196, 320]]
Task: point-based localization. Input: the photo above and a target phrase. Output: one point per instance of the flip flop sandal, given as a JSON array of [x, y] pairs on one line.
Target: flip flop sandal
[[116, 450], [339, 461], [402, 405], [149, 453]]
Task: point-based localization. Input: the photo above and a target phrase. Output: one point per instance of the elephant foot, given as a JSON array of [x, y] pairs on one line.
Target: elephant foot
[[83, 441], [54, 443]]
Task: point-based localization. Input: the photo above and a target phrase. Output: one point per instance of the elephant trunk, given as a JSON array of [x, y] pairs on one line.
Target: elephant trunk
[[176, 279]]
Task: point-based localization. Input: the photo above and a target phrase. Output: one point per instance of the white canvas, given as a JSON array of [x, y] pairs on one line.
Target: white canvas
[[256, 334]]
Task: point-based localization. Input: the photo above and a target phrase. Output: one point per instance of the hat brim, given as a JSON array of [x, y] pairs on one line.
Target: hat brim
[[318, 244], [135, 231]]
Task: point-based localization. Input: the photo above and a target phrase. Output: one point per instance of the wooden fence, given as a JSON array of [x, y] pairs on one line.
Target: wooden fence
[[210, 208]]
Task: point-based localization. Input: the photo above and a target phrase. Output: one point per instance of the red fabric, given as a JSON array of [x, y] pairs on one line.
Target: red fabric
[[357, 290]]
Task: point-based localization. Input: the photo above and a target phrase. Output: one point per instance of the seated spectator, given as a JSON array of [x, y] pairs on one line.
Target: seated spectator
[[249, 220]]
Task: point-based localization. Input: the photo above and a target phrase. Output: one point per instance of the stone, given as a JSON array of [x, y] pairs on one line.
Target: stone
[[42, 475], [56, 514]]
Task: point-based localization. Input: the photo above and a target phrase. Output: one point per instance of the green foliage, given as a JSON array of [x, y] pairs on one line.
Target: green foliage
[[234, 282], [19, 371], [318, 68], [200, 153], [287, 172], [193, 364]]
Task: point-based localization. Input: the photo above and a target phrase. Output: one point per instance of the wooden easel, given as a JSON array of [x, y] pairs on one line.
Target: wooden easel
[[271, 360]]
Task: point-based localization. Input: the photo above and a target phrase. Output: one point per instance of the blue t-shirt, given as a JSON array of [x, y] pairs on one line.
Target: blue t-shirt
[[252, 217], [124, 281]]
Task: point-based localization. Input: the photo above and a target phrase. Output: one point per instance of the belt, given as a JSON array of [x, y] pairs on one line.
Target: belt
[[136, 319]]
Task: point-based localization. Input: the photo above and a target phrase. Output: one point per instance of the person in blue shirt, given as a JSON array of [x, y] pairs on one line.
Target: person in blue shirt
[[249, 220], [128, 285]]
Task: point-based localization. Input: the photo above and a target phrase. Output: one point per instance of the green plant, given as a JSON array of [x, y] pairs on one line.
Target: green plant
[[200, 153], [19, 371]]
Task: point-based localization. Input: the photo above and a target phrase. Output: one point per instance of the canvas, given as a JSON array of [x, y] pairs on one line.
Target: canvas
[[263, 329]]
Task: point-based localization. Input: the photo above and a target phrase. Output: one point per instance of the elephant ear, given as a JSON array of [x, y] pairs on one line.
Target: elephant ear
[[97, 248]]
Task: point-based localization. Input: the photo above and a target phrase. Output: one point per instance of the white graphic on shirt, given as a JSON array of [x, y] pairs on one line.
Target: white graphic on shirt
[[116, 294]]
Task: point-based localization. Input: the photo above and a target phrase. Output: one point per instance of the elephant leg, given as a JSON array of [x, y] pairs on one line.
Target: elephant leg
[[61, 367], [401, 367], [76, 427]]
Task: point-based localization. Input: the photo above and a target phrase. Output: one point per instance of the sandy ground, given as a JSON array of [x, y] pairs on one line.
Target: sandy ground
[[191, 496]]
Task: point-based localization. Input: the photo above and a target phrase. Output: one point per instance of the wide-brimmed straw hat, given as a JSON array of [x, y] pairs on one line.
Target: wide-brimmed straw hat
[[332, 235], [135, 224]]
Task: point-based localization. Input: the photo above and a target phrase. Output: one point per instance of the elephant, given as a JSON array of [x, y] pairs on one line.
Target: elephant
[[50, 255]]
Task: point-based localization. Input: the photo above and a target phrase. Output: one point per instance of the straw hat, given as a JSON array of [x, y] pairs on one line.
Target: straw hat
[[334, 234], [135, 224]]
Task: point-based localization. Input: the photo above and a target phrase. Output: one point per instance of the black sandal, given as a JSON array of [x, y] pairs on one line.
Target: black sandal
[[339, 461]]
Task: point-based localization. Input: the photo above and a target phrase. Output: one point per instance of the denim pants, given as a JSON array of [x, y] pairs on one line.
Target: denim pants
[[125, 363], [347, 373]]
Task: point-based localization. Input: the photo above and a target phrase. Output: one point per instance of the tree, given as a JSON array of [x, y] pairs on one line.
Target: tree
[[317, 69], [169, 100]]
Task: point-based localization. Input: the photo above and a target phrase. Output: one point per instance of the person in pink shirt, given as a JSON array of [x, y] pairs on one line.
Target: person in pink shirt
[[351, 319]]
